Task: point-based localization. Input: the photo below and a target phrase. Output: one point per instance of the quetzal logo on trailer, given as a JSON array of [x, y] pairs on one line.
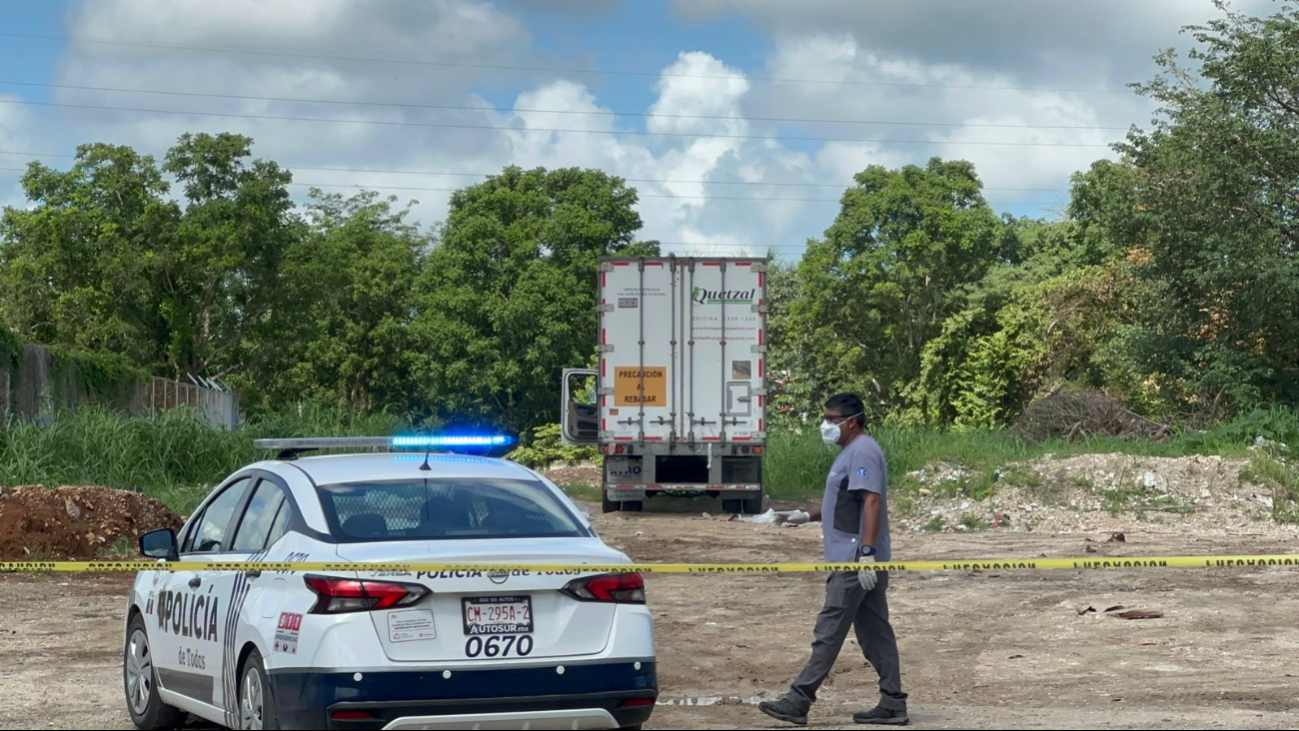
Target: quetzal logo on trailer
[[718, 297]]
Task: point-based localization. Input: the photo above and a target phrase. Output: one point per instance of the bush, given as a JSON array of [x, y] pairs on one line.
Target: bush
[[546, 447], [1081, 415]]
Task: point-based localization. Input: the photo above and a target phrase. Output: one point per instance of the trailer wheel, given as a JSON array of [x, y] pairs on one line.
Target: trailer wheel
[[615, 506], [744, 506], [609, 506]]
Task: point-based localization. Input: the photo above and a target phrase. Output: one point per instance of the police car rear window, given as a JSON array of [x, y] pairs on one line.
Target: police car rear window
[[440, 509]]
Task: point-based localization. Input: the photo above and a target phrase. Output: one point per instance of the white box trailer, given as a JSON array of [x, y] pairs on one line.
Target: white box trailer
[[678, 401]]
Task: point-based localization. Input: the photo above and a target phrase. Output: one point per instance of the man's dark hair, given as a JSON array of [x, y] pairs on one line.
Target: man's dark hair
[[848, 404]]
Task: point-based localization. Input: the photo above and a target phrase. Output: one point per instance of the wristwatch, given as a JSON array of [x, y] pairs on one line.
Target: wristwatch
[[865, 551]]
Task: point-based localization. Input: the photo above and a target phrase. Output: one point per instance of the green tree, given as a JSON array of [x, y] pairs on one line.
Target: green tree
[[794, 396], [1110, 220], [1215, 244], [1017, 342], [893, 266], [1043, 319], [221, 280], [507, 298], [349, 291], [78, 268]]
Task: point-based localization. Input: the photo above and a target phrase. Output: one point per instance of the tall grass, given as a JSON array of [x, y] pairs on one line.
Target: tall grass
[[175, 457], [797, 463]]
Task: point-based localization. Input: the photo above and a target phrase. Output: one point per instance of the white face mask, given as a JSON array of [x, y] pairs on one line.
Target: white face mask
[[832, 433]]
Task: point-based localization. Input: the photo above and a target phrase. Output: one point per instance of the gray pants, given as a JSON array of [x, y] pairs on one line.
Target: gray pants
[[848, 605]]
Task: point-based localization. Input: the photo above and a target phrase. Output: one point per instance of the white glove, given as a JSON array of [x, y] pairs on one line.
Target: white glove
[[867, 577], [792, 517]]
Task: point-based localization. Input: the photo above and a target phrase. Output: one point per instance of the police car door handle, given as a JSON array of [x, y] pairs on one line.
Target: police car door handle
[[254, 575], [196, 582]]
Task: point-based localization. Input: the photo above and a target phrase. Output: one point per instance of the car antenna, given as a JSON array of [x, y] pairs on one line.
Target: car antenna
[[427, 454]]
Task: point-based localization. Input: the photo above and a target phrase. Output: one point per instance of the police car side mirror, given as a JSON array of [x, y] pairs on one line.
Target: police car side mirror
[[160, 544]]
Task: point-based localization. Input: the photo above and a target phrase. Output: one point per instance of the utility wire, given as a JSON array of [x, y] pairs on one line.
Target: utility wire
[[443, 125], [321, 56]]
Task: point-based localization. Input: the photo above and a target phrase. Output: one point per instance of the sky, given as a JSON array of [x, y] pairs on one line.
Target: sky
[[740, 122]]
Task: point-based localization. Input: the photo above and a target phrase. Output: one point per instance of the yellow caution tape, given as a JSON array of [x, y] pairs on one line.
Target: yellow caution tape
[[546, 569]]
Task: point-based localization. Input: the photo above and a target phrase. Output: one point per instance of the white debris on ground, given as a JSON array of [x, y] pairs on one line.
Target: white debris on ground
[[941, 473], [767, 517], [1095, 493], [1268, 445]]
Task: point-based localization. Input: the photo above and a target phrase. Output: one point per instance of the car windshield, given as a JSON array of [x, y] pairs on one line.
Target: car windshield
[[444, 509]]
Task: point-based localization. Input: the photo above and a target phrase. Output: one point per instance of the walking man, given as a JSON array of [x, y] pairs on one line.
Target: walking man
[[856, 526]]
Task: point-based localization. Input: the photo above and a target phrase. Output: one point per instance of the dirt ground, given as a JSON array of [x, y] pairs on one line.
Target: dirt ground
[[980, 650]]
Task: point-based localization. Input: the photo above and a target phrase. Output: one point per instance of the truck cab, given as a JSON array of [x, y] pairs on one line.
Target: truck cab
[[677, 402]]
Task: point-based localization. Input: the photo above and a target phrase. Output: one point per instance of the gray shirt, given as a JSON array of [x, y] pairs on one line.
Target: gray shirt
[[860, 468]]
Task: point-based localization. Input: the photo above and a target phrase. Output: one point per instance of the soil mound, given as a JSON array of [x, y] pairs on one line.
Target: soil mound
[[76, 523]]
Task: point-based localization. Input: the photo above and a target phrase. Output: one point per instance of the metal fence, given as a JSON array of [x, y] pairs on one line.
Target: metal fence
[[41, 387], [217, 404]]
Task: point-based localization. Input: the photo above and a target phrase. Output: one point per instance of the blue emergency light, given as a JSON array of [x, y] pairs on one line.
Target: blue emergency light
[[452, 440], [290, 448]]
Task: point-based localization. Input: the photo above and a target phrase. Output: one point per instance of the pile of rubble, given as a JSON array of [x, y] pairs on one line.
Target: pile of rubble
[[1096, 493]]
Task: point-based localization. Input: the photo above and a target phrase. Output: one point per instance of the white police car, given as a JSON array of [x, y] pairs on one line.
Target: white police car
[[371, 650]]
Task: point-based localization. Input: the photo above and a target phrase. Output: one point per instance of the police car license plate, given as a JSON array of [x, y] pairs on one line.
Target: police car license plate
[[498, 615]]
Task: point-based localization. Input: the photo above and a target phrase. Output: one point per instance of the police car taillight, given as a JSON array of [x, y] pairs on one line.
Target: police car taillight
[[613, 588], [340, 596]]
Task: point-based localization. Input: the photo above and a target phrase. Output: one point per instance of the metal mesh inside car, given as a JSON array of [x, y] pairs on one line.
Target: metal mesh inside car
[[445, 510]]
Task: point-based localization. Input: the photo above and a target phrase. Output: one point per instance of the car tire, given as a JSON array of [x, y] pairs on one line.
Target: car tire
[[140, 682], [734, 507], [633, 506], [256, 702], [753, 506]]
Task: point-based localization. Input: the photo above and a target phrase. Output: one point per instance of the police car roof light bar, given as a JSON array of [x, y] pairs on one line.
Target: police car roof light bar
[[449, 440], [289, 449]]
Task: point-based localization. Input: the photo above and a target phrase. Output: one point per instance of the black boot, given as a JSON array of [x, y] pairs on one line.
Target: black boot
[[786, 710], [880, 716]]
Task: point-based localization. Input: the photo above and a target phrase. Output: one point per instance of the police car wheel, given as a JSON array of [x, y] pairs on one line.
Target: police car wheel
[[256, 704], [140, 681]]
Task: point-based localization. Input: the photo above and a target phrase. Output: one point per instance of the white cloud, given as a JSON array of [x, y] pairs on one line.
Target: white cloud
[[711, 123], [843, 160], [15, 122], [699, 84], [571, 7], [676, 171], [681, 200], [955, 115], [443, 29], [317, 42], [1103, 42]]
